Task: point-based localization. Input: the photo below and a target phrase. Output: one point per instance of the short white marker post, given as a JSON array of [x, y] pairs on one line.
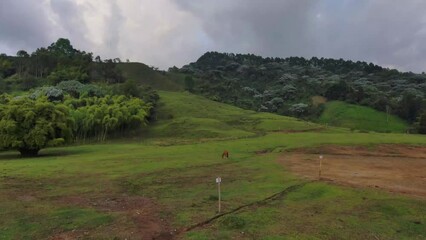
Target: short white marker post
[[218, 180], [320, 165]]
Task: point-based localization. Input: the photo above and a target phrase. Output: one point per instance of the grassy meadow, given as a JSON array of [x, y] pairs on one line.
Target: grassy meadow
[[357, 117], [72, 191], [195, 117]]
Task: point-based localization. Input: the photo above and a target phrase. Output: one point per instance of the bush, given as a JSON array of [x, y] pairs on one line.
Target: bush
[[298, 109], [28, 82], [77, 89], [97, 118], [53, 94], [68, 73]]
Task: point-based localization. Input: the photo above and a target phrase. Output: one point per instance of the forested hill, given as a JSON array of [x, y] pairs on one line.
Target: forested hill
[[287, 85], [59, 94]]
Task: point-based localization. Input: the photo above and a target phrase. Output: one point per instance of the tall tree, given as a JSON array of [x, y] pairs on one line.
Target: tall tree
[[29, 125], [62, 48], [22, 62]]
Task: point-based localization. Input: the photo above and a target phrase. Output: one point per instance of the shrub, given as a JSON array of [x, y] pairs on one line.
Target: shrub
[[52, 94], [233, 222]]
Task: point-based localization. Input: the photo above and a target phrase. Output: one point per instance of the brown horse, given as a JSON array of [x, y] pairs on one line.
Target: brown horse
[[225, 154]]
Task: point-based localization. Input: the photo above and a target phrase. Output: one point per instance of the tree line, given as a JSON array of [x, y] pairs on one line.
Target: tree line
[[29, 124], [53, 64]]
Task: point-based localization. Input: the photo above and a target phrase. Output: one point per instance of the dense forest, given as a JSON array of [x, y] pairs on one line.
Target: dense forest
[[291, 86], [60, 94]]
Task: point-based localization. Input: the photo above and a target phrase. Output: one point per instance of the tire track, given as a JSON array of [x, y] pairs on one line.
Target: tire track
[[273, 197]]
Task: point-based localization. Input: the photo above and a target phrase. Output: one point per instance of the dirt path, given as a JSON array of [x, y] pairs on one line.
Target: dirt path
[[300, 131], [396, 168]]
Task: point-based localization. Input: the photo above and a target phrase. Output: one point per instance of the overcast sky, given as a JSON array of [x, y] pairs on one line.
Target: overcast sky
[[163, 33]]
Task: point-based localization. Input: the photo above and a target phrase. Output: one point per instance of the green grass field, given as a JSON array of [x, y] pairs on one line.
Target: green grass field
[[94, 191], [361, 118], [194, 117]]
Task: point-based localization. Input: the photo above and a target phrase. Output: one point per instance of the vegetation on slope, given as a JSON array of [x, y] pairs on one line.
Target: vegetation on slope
[[182, 114], [285, 86], [351, 116], [143, 74]]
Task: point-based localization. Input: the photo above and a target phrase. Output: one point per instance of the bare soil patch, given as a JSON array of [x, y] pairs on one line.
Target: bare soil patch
[[141, 218], [396, 168], [135, 217]]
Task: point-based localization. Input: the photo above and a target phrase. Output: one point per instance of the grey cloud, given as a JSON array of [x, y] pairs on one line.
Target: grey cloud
[[115, 22], [174, 32], [385, 32], [273, 28], [22, 25], [69, 18]]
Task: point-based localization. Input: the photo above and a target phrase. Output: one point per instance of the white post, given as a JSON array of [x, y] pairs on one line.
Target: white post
[[320, 166], [218, 180], [219, 196]]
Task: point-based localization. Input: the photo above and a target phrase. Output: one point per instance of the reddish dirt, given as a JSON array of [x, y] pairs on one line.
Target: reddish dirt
[[140, 218], [395, 168]]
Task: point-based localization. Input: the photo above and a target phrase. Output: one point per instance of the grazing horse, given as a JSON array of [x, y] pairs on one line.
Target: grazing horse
[[225, 154]]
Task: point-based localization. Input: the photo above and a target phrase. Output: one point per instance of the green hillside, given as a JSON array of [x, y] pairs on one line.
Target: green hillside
[[351, 116], [182, 114], [336, 113], [115, 190], [144, 74], [286, 85]]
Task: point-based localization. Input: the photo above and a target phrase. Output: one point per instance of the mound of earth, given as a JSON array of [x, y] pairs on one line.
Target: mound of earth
[[396, 168]]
